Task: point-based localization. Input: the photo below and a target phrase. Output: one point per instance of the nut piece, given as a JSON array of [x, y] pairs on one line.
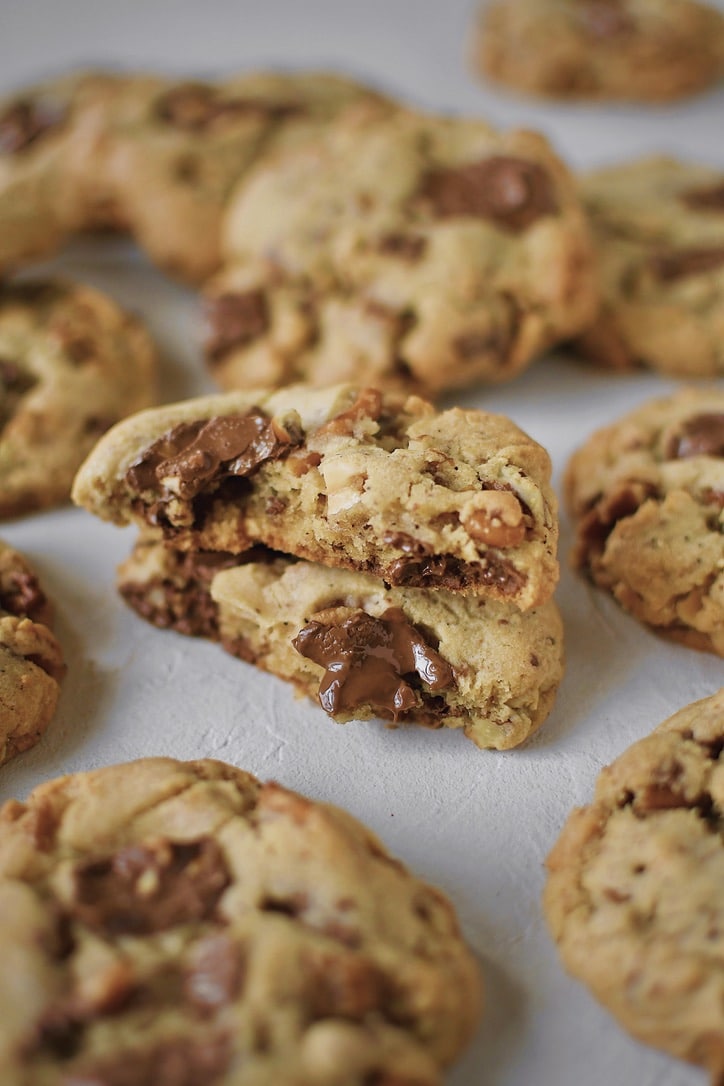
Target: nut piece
[[496, 518]]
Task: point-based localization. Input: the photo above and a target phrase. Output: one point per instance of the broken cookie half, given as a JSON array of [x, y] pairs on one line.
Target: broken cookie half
[[359, 647], [350, 477]]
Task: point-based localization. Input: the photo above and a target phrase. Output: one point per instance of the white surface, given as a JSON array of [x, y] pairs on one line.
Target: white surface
[[479, 824]]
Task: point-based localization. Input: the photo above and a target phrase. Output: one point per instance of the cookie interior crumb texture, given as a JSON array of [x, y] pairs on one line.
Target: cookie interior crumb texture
[[349, 477]]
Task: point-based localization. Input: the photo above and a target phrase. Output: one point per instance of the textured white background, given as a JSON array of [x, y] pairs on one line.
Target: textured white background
[[477, 823]]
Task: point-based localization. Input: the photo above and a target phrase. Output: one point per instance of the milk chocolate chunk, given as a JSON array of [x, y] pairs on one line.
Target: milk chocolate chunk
[[509, 191], [195, 454], [678, 264], [148, 888], [23, 123], [702, 435], [234, 319], [372, 661], [443, 571]]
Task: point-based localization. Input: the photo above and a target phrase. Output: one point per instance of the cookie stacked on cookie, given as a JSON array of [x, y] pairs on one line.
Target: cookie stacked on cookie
[[409, 556]]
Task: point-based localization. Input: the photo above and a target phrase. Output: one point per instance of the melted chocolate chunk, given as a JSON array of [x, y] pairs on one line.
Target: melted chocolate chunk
[[148, 888], [195, 107], [709, 198], [197, 455], [511, 192], [184, 1061], [24, 123], [679, 264], [702, 435], [372, 661], [442, 571], [234, 319]]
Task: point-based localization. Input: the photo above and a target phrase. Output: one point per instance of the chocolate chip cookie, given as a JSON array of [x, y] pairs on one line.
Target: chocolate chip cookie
[[659, 230], [402, 250], [633, 898], [358, 647], [207, 928], [72, 363], [641, 50], [51, 137], [176, 148], [349, 477], [648, 495], [152, 155], [31, 660]]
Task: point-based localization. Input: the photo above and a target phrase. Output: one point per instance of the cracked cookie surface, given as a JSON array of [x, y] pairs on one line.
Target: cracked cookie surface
[[402, 250], [31, 660], [658, 225], [648, 495], [344, 476], [641, 50], [72, 363], [205, 927], [357, 647], [633, 897]]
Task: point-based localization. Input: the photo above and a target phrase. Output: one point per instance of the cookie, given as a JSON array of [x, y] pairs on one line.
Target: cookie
[[637, 50], [72, 363], [50, 154], [207, 928], [357, 647], [402, 250], [152, 155], [176, 148], [633, 897], [648, 496], [659, 229], [31, 660], [344, 476]]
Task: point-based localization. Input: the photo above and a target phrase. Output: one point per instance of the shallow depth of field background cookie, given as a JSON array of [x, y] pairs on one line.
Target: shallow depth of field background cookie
[[476, 823]]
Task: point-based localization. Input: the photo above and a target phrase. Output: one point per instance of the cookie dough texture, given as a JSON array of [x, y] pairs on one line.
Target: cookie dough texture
[[633, 897], [31, 660], [420, 251], [658, 226], [640, 50], [359, 648], [648, 496], [72, 363], [207, 928], [152, 155], [348, 477]]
